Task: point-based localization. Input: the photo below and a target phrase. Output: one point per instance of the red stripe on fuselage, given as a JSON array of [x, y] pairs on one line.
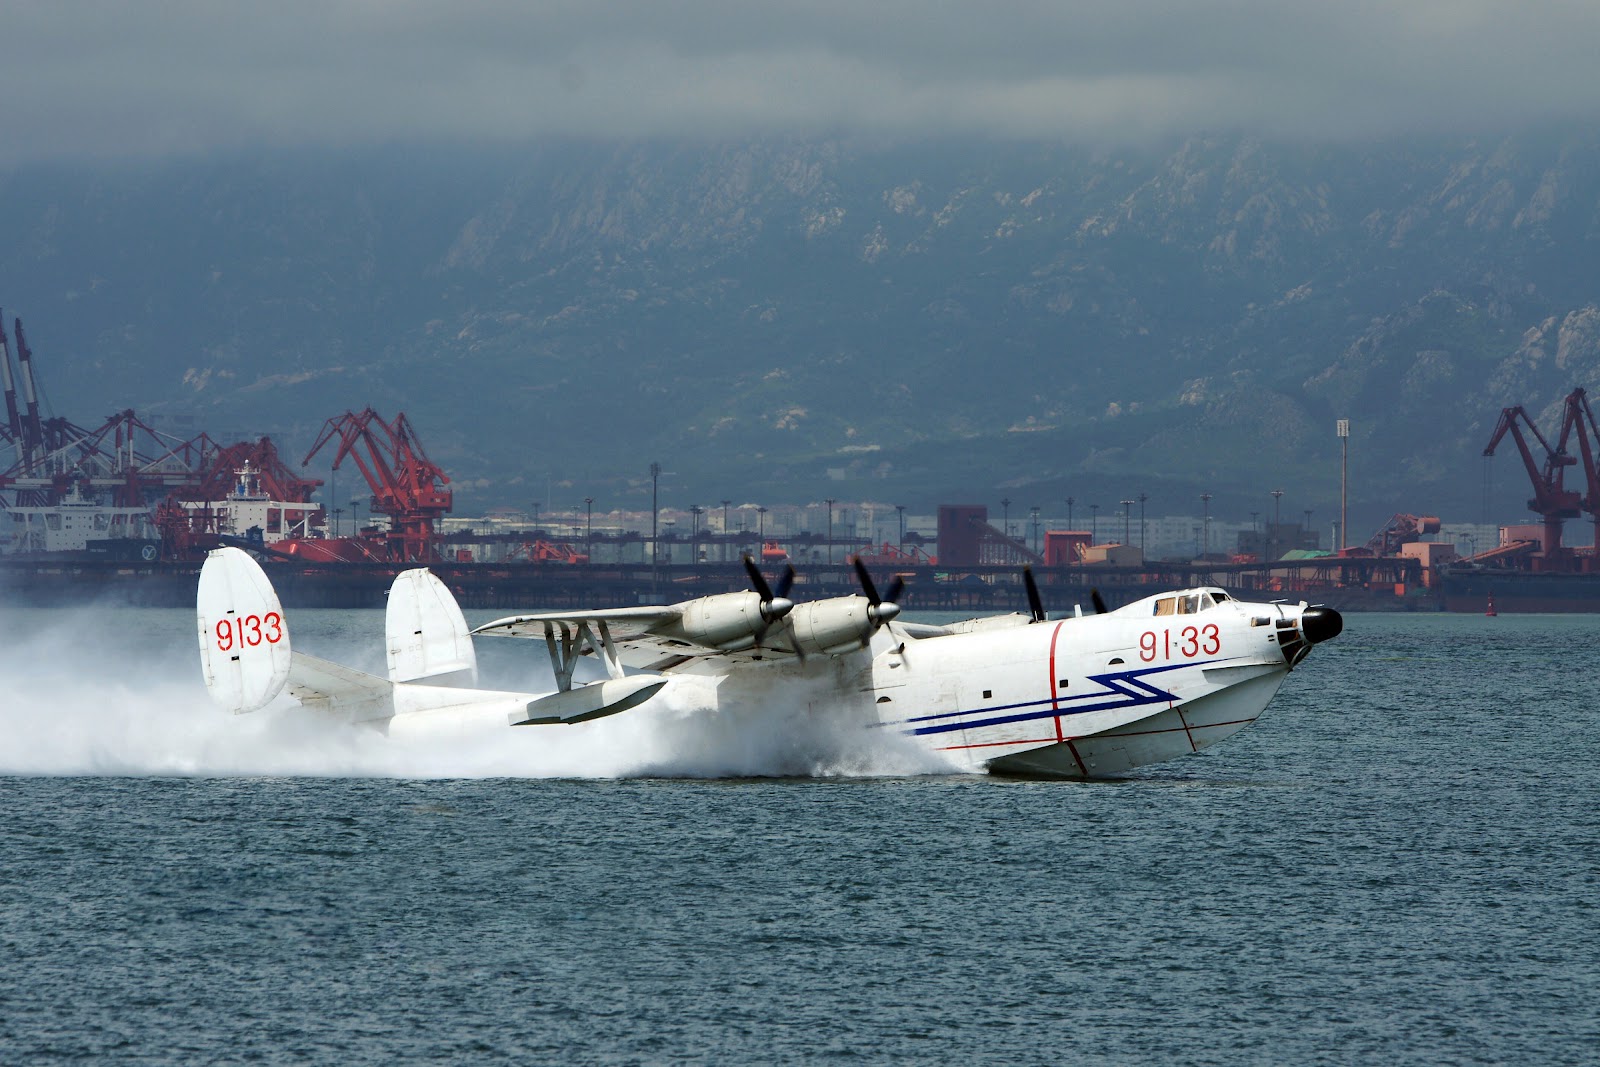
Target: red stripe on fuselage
[[1055, 696], [1000, 744]]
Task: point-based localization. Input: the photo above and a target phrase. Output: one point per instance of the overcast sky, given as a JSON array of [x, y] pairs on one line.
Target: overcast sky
[[159, 77]]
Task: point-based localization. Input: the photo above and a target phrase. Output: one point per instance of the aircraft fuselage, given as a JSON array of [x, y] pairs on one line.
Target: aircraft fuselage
[[1081, 697]]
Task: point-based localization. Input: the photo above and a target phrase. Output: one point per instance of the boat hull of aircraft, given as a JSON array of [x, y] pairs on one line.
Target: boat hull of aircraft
[[1165, 735]]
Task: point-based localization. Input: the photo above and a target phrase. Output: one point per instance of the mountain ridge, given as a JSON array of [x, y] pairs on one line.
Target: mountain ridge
[[791, 319]]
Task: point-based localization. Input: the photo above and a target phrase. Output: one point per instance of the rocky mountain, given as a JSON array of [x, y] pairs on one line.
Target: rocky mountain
[[786, 320]]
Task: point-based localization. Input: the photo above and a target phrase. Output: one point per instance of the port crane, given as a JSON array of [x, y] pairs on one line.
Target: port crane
[[405, 484], [1552, 501], [1578, 422]]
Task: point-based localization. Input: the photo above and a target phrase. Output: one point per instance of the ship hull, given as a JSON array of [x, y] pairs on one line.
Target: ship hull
[[1469, 592]]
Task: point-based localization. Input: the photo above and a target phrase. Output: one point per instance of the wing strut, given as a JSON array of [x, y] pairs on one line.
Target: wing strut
[[566, 649], [566, 642]]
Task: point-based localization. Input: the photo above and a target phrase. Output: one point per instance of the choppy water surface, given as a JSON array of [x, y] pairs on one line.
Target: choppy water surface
[[1399, 862]]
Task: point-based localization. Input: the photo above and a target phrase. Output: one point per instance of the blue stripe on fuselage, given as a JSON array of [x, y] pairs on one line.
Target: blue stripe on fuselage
[[1125, 687]]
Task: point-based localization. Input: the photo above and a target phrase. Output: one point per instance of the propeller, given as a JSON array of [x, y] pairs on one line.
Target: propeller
[[775, 604], [1098, 601], [1035, 601], [880, 609]]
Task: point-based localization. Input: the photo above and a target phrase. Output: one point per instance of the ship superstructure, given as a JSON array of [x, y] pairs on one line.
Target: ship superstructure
[[127, 490]]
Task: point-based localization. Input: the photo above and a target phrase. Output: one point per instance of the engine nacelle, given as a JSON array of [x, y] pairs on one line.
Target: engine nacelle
[[727, 622], [829, 627]]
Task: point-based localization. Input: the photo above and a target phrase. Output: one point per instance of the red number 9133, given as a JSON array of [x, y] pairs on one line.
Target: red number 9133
[[1189, 642], [249, 631]]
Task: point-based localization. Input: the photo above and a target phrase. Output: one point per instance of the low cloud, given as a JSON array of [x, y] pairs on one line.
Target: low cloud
[[116, 77]]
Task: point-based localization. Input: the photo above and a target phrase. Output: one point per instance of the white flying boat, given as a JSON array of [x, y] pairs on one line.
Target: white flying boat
[[1086, 696]]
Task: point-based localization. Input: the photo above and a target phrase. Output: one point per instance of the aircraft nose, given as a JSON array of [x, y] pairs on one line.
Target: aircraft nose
[[1321, 624]]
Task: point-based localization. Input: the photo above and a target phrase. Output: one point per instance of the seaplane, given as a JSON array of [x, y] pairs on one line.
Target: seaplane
[[1084, 696]]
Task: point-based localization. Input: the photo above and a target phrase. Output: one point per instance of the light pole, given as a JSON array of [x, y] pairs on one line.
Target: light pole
[[1205, 523], [1070, 501], [829, 502], [1307, 527], [338, 513], [1005, 515], [655, 513], [1035, 512], [588, 529], [901, 508], [355, 516], [1127, 521], [1142, 498], [695, 510], [1342, 428], [1272, 535], [761, 529], [725, 504]]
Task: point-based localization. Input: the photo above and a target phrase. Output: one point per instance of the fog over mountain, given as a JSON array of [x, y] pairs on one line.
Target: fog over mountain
[[108, 78]]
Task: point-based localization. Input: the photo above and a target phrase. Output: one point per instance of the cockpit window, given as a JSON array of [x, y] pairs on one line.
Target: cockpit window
[[1165, 605], [1219, 596], [1189, 604]]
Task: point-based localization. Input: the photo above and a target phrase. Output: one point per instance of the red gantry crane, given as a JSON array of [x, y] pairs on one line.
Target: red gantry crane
[[1551, 499], [1577, 420], [406, 485]]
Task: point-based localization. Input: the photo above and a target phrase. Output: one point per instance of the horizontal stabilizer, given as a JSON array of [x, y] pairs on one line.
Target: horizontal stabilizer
[[333, 687], [593, 701]]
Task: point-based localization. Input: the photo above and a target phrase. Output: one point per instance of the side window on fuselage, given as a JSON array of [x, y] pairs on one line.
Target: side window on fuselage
[[1165, 605], [1189, 604]]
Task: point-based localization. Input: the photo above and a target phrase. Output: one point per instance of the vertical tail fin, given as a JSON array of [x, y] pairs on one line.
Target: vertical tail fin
[[244, 639], [427, 634]]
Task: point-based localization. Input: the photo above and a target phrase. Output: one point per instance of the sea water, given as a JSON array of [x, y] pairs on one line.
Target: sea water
[[1399, 863]]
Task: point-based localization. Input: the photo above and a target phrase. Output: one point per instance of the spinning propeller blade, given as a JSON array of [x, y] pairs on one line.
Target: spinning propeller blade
[[1035, 601], [757, 580], [880, 609], [1099, 602], [774, 604]]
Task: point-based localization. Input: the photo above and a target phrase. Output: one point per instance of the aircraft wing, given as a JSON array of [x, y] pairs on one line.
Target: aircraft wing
[[920, 630], [623, 622], [652, 652], [631, 630], [639, 649]]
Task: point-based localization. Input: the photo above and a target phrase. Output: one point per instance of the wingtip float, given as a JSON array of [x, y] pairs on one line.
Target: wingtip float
[[1087, 696]]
